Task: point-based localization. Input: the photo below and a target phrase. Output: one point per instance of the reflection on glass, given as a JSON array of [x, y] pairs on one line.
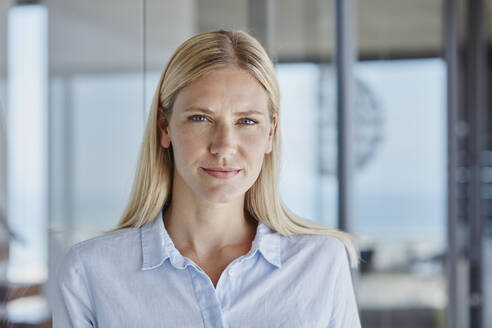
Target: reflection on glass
[[400, 192], [308, 176], [299, 180], [100, 149]]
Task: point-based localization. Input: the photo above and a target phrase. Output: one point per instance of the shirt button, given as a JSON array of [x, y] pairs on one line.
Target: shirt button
[[231, 272]]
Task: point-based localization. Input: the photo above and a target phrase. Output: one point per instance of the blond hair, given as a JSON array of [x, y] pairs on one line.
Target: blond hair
[[197, 56]]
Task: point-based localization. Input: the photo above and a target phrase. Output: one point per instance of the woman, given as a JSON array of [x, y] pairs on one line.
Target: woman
[[205, 240]]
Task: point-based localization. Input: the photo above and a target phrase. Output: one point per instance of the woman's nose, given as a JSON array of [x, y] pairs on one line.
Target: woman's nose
[[223, 140]]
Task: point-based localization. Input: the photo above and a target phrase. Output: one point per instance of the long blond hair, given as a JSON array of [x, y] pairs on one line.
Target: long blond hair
[[197, 56]]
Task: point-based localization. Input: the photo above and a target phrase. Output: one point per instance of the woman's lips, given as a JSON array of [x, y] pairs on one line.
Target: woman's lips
[[221, 173]]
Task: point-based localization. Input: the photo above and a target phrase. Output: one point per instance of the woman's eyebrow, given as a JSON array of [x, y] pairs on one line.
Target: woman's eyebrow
[[250, 112], [210, 112], [198, 109]]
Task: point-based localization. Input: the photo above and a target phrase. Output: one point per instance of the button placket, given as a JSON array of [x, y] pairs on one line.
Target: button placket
[[226, 283], [207, 299]]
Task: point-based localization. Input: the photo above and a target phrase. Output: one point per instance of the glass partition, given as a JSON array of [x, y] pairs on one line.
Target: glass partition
[[95, 117], [400, 181], [304, 48]]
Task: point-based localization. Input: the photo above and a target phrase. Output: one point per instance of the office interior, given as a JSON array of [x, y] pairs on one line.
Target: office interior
[[385, 125]]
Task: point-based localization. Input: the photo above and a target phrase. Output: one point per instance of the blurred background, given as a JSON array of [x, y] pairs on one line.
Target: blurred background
[[384, 121]]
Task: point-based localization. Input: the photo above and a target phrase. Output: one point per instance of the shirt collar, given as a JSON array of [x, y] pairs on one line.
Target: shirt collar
[[157, 245]]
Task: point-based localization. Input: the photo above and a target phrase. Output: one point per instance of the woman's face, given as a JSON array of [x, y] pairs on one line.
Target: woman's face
[[220, 129]]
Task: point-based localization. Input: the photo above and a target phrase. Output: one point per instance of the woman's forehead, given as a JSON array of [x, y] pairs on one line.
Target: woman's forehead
[[231, 87]]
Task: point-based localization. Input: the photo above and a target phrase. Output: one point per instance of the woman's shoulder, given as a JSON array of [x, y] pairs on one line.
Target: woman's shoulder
[[318, 241], [114, 241], [328, 247], [102, 250]]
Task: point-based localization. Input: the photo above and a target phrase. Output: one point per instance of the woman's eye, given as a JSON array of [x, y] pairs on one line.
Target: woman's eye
[[247, 121], [197, 118]]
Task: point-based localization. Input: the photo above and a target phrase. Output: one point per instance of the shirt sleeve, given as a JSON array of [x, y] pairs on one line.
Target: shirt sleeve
[[345, 312], [72, 301]]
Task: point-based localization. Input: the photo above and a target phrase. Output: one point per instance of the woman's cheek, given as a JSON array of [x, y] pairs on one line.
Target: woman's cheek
[[189, 141], [256, 140]]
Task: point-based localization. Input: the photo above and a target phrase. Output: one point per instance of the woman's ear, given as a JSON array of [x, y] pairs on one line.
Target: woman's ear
[[271, 133], [163, 125]]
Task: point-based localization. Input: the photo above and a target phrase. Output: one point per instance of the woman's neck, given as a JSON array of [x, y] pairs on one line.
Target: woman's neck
[[204, 228]]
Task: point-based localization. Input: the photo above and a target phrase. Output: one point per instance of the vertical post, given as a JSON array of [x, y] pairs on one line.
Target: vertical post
[[476, 103], [261, 24], [144, 62], [345, 54], [319, 201], [68, 160], [451, 57]]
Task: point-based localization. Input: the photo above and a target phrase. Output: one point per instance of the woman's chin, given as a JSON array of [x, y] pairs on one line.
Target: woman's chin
[[222, 197]]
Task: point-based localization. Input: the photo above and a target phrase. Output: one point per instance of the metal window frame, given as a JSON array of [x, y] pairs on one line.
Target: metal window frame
[[476, 101], [345, 56], [451, 57]]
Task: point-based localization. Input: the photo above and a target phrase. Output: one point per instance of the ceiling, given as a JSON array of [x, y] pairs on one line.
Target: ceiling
[[98, 36]]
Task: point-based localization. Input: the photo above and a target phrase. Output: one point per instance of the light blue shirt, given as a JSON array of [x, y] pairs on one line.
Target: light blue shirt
[[135, 277]]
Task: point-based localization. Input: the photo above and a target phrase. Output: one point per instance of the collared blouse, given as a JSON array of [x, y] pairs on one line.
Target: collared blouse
[[135, 277]]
